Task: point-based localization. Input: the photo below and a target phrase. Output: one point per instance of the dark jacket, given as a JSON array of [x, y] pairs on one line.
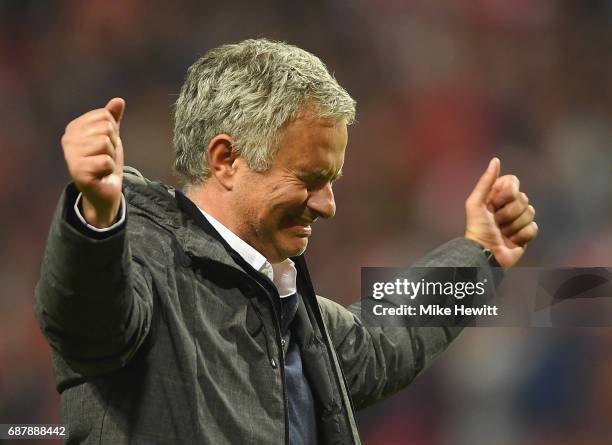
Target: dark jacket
[[160, 335]]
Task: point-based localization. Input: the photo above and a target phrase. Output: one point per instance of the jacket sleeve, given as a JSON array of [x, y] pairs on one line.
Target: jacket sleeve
[[94, 299], [379, 361]]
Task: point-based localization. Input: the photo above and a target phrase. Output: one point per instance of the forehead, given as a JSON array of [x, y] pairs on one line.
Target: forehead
[[313, 145]]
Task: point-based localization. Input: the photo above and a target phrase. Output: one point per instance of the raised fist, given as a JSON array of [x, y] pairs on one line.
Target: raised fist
[[499, 216], [94, 156]]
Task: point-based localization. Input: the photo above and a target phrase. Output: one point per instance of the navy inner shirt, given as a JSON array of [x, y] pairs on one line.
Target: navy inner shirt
[[302, 418]]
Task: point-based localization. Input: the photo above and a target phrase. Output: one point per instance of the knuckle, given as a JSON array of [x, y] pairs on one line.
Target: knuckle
[[510, 186], [107, 162], [102, 141], [532, 210], [501, 183], [71, 125]]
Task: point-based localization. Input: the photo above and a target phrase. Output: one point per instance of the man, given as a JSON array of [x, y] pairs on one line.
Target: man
[[191, 318]]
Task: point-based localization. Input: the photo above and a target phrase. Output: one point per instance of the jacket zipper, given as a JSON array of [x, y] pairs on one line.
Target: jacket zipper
[[345, 399], [280, 341]]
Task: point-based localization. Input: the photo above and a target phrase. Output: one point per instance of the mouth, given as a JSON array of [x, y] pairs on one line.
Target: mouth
[[303, 231], [303, 228]]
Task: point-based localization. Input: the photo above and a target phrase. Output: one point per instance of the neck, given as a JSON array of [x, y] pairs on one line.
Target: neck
[[209, 197]]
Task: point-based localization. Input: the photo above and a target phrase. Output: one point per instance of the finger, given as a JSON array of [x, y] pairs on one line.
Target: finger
[[116, 106], [86, 172], [99, 114], [515, 226], [525, 235], [484, 184], [511, 211], [102, 128], [78, 147], [99, 165], [98, 145], [504, 190]]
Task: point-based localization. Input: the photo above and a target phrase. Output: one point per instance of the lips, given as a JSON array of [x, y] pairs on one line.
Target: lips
[[298, 225], [303, 227]]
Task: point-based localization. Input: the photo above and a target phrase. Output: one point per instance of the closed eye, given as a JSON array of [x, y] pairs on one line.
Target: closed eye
[[318, 179], [322, 177]]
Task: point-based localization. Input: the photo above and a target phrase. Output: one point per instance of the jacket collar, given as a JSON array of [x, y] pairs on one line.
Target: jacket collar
[[174, 212], [171, 209]]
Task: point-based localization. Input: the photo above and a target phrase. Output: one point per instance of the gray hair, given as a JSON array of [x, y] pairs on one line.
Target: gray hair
[[250, 90]]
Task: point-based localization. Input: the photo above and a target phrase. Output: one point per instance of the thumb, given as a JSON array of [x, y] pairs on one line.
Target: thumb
[[486, 181], [116, 106]]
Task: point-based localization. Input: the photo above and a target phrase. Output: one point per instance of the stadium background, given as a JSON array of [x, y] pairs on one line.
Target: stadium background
[[441, 87]]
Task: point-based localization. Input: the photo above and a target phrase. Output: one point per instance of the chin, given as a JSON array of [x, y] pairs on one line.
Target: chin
[[295, 248]]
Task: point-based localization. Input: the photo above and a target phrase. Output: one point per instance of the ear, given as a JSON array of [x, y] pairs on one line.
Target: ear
[[221, 160]]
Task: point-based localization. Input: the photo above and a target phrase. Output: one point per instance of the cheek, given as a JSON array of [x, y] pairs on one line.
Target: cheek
[[287, 202], [249, 204]]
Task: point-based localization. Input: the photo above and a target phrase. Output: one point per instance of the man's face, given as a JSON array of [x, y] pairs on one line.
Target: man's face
[[274, 209]]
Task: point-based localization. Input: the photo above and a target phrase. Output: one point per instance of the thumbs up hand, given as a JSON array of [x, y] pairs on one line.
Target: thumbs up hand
[[499, 217], [94, 156]]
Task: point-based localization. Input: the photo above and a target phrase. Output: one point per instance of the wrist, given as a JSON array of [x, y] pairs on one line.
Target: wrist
[[98, 218], [487, 252]]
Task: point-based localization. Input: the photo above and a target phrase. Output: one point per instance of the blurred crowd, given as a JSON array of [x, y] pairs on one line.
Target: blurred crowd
[[441, 87]]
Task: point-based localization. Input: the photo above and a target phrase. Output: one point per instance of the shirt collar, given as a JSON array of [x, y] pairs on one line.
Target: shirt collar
[[283, 274]]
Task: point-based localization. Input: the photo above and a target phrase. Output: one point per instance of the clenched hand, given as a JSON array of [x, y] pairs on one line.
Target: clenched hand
[[94, 156], [499, 216]]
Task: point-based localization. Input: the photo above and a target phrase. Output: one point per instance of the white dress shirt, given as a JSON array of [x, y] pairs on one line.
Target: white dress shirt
[[283, 274]]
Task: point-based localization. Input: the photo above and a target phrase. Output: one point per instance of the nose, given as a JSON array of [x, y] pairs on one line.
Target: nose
[[322, 201]]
